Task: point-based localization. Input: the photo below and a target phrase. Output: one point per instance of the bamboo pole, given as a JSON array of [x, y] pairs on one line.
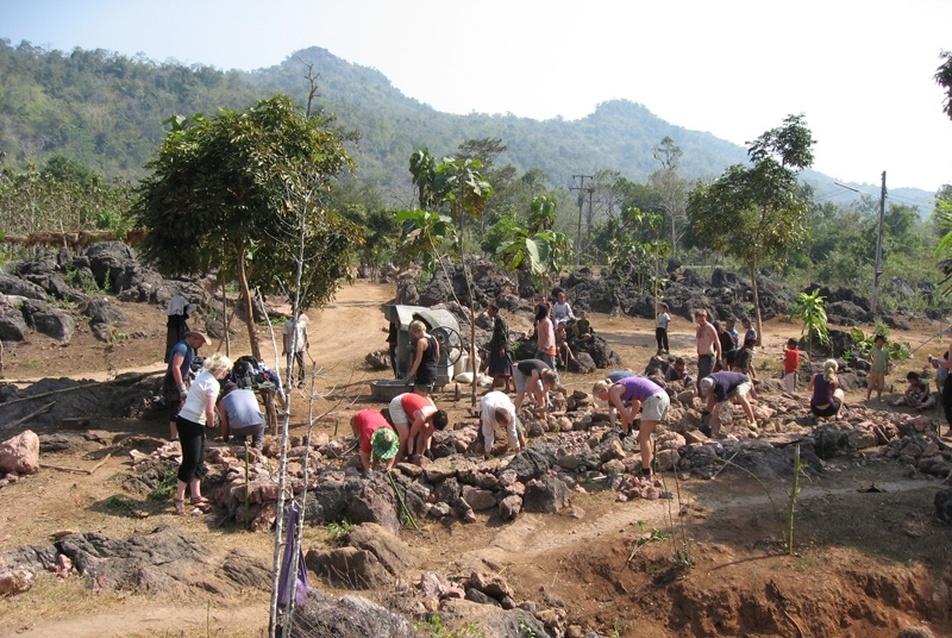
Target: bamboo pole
[[35, 413]]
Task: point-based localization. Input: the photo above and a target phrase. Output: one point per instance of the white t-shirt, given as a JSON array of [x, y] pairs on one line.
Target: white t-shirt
[[561, 311], [204, 386], [488, 405], [295, 330]]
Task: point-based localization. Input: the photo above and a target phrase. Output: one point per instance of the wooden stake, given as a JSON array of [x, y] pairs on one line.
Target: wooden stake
[[61, 468], [45, 408], [77, 470], [101, 463]]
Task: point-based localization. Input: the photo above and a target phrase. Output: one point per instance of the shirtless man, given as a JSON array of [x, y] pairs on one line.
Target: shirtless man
[[708, 346]]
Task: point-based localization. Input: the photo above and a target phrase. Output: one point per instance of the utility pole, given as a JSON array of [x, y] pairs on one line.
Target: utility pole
[[879, 246], [581, 188], [878, 268]]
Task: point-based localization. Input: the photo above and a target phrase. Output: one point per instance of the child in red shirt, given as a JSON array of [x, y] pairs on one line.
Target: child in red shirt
[[791, 363]]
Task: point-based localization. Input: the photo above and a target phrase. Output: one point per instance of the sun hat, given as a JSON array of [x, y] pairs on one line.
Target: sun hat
[[200, 335], [385, 443], [707, 384]]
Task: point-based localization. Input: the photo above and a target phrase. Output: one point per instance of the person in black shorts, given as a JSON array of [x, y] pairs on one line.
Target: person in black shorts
[[427, 349]]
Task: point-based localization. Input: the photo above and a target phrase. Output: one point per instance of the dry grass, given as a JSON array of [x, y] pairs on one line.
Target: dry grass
[[210, 631], [53, 598]]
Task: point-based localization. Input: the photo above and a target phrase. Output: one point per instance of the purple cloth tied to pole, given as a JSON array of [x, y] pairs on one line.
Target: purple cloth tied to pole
[[284, 583]]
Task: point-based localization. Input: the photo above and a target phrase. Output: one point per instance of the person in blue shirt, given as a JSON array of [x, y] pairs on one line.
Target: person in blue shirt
[[717, 388], [178, 373]]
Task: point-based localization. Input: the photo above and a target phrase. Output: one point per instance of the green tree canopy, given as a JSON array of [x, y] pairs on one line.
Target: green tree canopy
[[755, 212], [246, 191]]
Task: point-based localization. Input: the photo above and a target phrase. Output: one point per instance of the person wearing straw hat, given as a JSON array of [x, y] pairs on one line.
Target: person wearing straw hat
[[379, 444], [177, 374]]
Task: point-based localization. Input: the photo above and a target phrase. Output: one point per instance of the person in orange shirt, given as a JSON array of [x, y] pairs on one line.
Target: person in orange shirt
[[791, 363]]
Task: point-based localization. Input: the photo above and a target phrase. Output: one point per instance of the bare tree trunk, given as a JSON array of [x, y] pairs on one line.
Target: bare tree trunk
[[674, 237], [224, 311], [753, 286], [283, 489], [249, 304]]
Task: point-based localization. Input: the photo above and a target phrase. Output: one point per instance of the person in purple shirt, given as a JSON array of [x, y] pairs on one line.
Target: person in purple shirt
[[827, 397], [636, 396], [717, 388]]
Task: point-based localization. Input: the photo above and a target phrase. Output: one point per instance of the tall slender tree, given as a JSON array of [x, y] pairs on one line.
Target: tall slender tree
[[672, 189], [233, 190], [755, 212]]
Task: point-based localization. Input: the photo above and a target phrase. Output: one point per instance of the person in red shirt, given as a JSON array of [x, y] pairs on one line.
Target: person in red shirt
[[791, 363], [379, 444]]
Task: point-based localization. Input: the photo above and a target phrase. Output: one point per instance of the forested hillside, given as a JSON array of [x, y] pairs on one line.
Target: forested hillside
[[101, 109], [619, 135], [107, 112]]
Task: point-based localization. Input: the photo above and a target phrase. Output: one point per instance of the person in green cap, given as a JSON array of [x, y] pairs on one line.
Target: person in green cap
[[379, 443]]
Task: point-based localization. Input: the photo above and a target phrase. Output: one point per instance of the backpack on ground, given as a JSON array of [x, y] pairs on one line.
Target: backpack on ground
[[244, 372]]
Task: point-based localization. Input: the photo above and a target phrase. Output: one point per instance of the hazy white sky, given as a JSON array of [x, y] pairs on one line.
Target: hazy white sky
[[860, 70]]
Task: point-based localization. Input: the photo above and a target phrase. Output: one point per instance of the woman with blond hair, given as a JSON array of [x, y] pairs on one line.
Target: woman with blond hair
[[827, 397], [197, 413], [633, 397], [425, 359]]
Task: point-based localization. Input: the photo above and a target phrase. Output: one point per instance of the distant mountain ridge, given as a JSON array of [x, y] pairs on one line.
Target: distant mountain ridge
[[619, 135], [106, 111]]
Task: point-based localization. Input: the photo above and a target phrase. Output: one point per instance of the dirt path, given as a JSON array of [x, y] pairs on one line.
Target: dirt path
[[146, 619]]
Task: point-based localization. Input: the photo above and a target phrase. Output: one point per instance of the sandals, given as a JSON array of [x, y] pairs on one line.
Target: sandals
[[199, 503]]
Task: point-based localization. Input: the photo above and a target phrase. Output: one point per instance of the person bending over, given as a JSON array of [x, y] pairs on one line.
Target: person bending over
[[240, 415], [497, 409], [720, 387], [534, 378], [826, 397], [415, 417], [636, 396], [379, 444]]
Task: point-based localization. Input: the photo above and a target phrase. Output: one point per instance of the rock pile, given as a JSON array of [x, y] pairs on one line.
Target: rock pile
[[33, 296], [572, 451]]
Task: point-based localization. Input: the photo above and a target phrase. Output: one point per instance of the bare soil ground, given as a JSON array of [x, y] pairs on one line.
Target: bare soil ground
[[870, 558]]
